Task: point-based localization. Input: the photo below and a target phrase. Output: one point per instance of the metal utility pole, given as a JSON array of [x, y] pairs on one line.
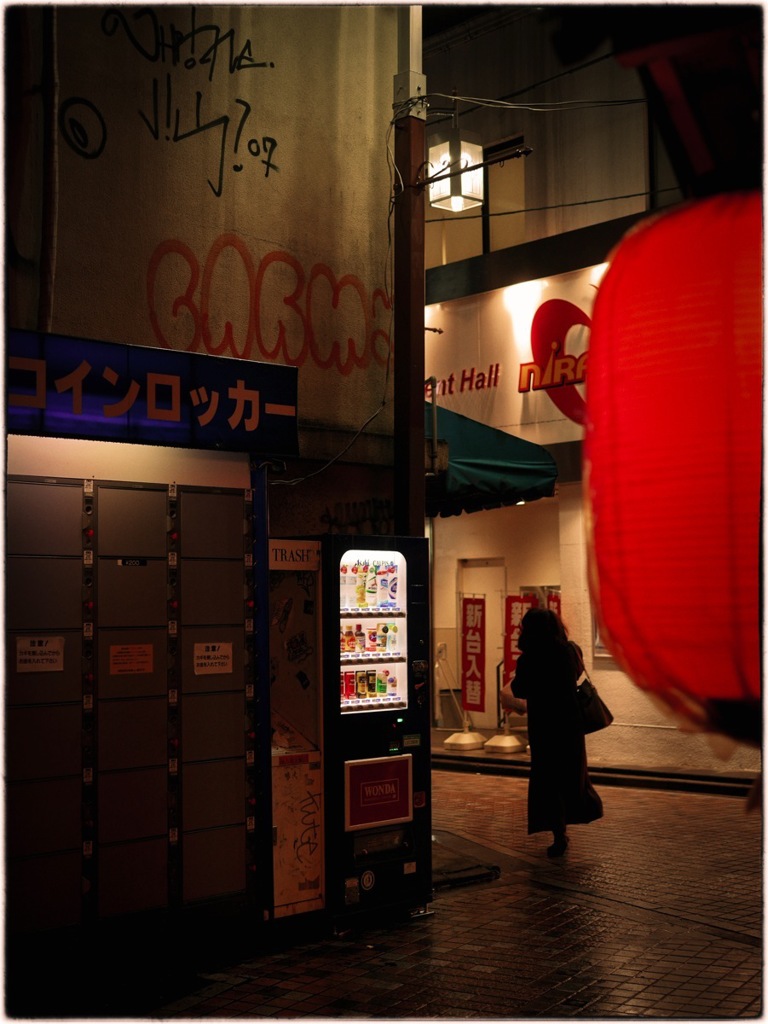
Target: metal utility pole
[[410, 150]]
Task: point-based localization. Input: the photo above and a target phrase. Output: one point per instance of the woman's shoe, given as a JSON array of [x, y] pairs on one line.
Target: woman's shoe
[[558, 848]]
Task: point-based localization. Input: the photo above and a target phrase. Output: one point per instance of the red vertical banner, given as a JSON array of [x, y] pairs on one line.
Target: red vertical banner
[[553, 602], [473, 653], [515, 607]]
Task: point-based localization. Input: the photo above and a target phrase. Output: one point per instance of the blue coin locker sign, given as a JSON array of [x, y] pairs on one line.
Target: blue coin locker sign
[[73, 387]]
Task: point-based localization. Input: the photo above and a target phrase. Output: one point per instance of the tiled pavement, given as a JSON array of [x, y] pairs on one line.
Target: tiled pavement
[[654, 912]]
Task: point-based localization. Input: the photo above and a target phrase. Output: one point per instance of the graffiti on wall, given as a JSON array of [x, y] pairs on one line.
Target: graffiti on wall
[[306, 843], [169, 114], [368, 516], [332, 322]]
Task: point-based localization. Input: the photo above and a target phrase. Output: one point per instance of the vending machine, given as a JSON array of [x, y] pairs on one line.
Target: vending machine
[[377, 724]]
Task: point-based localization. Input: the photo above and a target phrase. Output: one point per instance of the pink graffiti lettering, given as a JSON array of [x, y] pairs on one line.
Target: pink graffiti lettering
[[332, 322]]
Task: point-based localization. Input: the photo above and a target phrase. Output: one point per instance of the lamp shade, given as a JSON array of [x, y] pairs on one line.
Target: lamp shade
[[450, 151], [673, 458]]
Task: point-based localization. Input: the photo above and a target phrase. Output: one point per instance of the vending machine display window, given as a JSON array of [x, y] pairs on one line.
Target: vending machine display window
[[373, 634]]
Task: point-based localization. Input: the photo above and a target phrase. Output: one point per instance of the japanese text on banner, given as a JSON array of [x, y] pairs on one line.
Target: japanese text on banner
[[515, 607], [473, 653]]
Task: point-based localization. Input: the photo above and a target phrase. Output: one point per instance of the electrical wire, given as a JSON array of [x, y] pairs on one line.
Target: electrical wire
[[553, 206], [552, 107]]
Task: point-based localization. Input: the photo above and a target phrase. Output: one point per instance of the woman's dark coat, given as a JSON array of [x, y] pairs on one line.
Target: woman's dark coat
[[559, 791]]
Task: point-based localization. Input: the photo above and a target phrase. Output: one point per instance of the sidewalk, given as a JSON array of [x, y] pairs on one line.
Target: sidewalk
[[654, 912], [517, 761]]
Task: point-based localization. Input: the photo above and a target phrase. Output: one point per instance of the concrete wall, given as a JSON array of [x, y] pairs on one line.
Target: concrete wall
[[211, 179]]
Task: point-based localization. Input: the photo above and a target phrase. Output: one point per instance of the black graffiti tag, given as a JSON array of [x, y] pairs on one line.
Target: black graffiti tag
[[240, 141], [306, 844], [83, 127], [188, 49], [163, 120]]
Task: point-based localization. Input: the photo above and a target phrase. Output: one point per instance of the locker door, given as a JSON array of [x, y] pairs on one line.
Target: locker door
[[47, 583], [134, 656], [214, 543]]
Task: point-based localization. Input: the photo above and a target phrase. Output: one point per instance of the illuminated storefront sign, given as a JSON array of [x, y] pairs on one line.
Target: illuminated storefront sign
[[529, 355], [72, 387]]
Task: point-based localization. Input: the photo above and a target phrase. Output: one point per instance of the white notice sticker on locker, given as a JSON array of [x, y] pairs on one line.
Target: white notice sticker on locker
[[131, 659], [39, 653], [213, 659]]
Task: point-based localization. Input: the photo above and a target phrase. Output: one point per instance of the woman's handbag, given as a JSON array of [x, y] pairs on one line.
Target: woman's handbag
[[594, 712]]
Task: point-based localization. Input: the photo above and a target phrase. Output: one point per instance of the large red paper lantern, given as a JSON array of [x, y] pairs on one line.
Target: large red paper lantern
[[673, 458]]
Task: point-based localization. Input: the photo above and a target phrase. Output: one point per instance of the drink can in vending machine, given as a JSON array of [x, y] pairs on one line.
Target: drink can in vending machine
[[371, 682], [392, 637], [361, 571], [382, 586], [361, 682], [371, 638], [350, 688], [393, 603], [371, 593]]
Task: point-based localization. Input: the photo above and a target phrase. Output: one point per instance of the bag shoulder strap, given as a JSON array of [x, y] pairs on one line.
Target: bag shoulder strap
[[579, 658]]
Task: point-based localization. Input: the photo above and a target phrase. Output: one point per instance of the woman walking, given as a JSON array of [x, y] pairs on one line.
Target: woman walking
[[559, 791]]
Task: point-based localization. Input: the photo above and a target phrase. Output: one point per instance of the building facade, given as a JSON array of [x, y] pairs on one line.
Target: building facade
[[510, 288]]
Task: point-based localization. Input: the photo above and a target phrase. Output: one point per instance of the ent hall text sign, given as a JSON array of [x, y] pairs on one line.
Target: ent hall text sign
[[516, 358], [74, 387]]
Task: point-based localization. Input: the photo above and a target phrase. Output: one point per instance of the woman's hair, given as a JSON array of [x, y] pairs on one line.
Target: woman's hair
[[541, 628]]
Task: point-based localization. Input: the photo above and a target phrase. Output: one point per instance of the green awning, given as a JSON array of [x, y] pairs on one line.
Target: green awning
[[487, 468]]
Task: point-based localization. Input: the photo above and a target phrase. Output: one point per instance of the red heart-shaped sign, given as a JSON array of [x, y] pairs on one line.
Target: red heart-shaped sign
[[551, 323]]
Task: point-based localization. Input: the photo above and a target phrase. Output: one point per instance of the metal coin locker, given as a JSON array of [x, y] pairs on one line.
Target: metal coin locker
[[137, 700]]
